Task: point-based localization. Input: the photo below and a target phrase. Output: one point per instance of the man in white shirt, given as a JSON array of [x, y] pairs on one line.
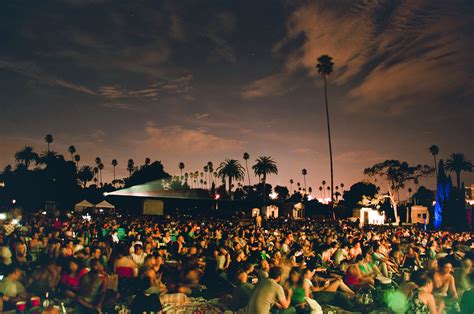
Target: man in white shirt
[[138, 256], [268, 293]]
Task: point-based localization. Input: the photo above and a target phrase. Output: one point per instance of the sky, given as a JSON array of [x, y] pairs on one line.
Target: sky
[[198, 81]]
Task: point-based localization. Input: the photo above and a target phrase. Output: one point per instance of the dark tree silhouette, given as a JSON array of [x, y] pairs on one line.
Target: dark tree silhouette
[[304, 172], [181, 167], [264, 166], [458, 163], [26, 156], [130, 166], [395, 174], [85, 175], [72, 151], [232, 170], [77, 158], [48, 139], [434, 151], [246, 158], [114, 165]]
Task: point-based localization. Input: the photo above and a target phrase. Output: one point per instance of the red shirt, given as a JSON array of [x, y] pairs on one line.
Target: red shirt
[[72, 282]]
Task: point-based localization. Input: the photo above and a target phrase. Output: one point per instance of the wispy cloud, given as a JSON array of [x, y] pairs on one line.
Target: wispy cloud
[[178, 140], [31, 71], [393, 56], [201, 116], [271, 85], [178, 86]]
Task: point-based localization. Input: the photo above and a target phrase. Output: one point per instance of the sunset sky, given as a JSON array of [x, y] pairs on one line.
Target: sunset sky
[[199, 81]]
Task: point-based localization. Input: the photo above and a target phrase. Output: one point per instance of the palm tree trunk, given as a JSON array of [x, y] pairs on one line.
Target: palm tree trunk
[[230, 186], [435, 167], [114, 173], [458, 180], [247, 167], [304, 178], [329, 138]]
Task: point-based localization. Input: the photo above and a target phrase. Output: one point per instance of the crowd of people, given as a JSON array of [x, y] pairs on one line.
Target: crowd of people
[[94, 262]]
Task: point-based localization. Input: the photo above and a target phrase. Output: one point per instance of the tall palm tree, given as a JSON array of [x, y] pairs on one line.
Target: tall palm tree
[[325, 67], [181, 167], [77, 158], [246, 158], [98, 161], [231, 169], [114, 164], [130, 166], [48, 139], [324, 187], [96, 174], [321, 191], [72, 151], [206, 169], [101, 167], [304, 172], [291, 185], [26, 156], [264, 166], [434, 150], [458, 163], [210, 168]]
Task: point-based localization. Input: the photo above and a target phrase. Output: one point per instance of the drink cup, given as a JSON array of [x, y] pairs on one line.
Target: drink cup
[[20, 307], [35, 301]]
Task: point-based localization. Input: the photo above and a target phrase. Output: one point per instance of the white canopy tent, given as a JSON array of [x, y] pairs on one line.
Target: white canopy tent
[[84, 204], [105, 205]]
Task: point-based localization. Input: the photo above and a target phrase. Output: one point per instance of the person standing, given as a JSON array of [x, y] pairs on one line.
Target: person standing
[[258, 221]]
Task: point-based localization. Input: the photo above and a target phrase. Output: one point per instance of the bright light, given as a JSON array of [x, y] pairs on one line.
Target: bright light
[[14, 221], [3, 216], [101, 210], [310, 197], [273, 195], [105, 193], [2, 184], [13, 201], [217, 196], [87, 217], [44, 213]]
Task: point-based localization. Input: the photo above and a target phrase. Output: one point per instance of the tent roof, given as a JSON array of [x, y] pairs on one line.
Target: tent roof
[[155, 189], [84, 203], [104, 204]]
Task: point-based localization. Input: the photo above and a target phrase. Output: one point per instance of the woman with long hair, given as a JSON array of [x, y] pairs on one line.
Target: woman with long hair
[[300, 290]]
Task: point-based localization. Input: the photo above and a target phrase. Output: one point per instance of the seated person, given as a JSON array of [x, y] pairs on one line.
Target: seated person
[[70, 278], [12, 288], [299, 289], [355, 278], [91, 294], [467, 300], [421, 300], [444, 281], [268, 293], [242, 291], [328, 284], [144, 301]]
